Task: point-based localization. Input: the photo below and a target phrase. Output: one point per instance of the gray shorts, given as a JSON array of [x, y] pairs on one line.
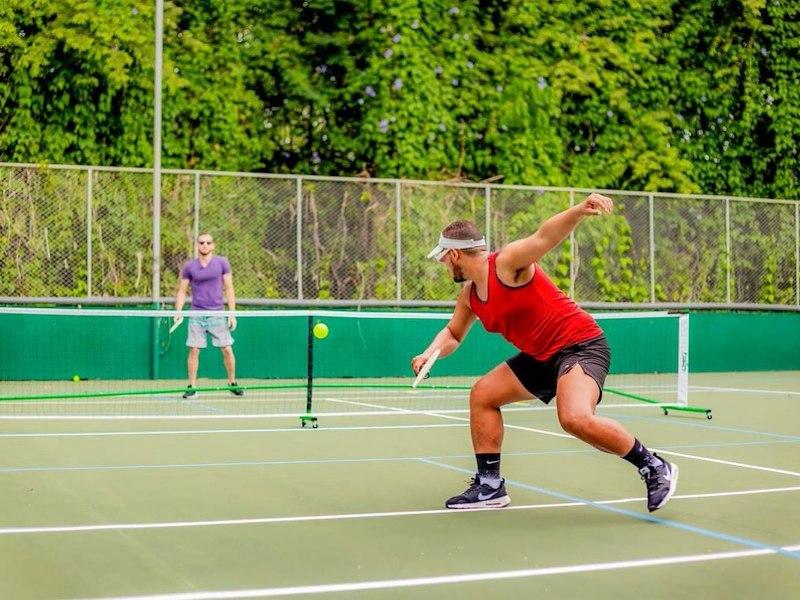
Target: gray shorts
[[216, 326]]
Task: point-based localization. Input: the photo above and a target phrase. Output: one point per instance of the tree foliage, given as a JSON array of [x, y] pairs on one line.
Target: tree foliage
[[664, 95], [670, 95]]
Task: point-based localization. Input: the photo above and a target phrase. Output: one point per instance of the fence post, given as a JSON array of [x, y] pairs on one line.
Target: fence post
[[196, 224], [572, 273], [89, 192], [728, 250], [299, 196], [159, 30], [398, 248], [487, 195], [797, 251], [159, 42], [652, 252]]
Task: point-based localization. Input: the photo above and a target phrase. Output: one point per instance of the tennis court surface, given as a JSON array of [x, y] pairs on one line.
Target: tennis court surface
[[149, 495]]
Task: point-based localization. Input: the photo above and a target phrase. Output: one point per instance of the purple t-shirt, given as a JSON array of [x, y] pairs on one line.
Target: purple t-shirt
[[206, 282]]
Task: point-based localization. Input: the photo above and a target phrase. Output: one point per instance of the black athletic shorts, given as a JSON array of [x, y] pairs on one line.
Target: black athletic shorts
[[540, 377]]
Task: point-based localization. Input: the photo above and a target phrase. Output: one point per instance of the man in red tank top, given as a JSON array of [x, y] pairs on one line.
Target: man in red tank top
[[563, 352]]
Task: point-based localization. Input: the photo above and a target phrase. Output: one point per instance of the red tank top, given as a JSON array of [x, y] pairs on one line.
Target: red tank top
[[538, 318]]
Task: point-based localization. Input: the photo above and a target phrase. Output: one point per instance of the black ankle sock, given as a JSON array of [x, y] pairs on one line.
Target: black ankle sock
[[488, 464], [639, 456]]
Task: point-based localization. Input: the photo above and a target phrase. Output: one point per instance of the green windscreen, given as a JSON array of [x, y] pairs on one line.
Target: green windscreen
[[126, 362]]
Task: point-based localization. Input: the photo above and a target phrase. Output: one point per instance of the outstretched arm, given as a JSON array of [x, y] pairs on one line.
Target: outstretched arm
[[523, 253], [450, 337]]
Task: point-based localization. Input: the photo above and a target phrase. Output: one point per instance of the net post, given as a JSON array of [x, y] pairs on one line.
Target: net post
[[308, 417], [683, 360]]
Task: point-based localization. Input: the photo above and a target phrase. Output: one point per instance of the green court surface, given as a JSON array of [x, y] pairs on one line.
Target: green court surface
[[210, 507]]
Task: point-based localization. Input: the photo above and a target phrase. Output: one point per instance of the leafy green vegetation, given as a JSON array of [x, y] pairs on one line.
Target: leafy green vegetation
[[668, 95]]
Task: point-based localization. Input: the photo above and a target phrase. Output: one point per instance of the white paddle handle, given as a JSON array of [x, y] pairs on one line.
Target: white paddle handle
[[175, 325], [426, 368]]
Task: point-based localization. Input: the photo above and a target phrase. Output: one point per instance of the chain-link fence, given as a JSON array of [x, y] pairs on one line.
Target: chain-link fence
[[84, 234]]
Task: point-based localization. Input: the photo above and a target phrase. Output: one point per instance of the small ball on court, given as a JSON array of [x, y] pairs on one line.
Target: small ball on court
[[320, 331], [76, 378]]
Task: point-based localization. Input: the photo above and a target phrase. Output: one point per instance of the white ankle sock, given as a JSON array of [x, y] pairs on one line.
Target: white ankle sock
[[491, 480]]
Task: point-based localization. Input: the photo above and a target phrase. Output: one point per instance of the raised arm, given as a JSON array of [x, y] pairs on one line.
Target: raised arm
[[523, 253], [451, 336]]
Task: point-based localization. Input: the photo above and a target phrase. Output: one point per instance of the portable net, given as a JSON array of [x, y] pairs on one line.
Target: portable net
[[113, 363]]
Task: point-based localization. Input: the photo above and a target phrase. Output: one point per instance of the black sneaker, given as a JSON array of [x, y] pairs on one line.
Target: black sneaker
[[480, 495], [235, 389], [661, 481], [189, 393]]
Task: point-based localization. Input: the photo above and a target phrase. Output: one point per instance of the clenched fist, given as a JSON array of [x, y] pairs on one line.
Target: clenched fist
[[596, 204]]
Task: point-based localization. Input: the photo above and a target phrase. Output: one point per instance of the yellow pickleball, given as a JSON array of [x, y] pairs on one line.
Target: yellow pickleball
[[320, 331], [76, 378]]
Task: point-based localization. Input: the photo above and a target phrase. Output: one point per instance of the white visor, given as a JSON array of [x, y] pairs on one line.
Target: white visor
[[446, 244]]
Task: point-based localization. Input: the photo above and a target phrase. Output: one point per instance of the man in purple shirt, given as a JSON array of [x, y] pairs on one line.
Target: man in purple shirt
[[208, 275]]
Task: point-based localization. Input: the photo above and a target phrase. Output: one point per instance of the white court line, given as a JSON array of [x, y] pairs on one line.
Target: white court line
[[214, 417], [392, 413], [351, 516], [261, 521], [125, 402], [693, 456], [226, 431], [731, 463], [449, 579], [711, 388], [387, 411], [254, 398], [440, 414]]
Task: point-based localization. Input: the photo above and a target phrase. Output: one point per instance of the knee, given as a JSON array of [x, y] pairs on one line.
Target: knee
[[480, 394], [575, 422], [194, 352]]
